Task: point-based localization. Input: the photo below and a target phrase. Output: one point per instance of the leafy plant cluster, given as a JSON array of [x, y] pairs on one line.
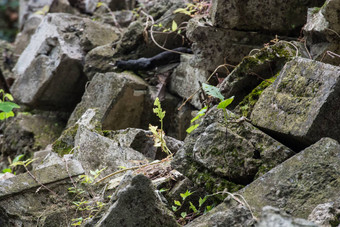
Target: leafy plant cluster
[[6, 106], [223, 104], [158, 134], [87, 204], [13, 164], [195, 210], [198, 7]]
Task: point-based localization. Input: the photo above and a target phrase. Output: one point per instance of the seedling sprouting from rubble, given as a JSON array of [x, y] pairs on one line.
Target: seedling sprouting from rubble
[[158, 134]]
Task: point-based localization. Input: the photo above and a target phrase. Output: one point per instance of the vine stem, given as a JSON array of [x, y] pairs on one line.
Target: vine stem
[[153, 38], [211, 75], [133, 168]]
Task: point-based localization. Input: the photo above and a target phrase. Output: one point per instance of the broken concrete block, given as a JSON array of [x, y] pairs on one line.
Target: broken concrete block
[[119, 98], [284, 18], [137, 205], [50, 70], [300, 107], [219, 155]]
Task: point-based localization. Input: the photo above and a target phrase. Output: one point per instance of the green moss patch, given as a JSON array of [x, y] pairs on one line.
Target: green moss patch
[[246, 106], [65, 143]]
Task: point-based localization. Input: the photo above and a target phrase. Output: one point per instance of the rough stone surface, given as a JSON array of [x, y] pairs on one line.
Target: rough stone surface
[[326, 214], [299, 184], [296, 186], [27, 133], [133, 44], [219, 156], [116, 5], [49, 70], [137, 205], [63, 6], [322, 32], [23, 38], [119, 98], [124, 18], [300, 106], [141, 141], [65, 143], [214, 46], [29, 7], [274, 217], [185, 79], [96, 152], [221, 216], [285, 18], [7, 61], [46, 175], [24, 203], [99, 60]]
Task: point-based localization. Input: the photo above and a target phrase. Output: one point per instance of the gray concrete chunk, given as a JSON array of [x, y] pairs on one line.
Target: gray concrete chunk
[[301, 106]]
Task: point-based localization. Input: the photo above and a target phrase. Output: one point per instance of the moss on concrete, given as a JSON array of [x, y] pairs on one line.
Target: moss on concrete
[[212, 184], [246, 106], [65, 143]]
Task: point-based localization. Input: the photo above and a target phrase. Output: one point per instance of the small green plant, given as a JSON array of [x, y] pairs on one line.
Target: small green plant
[[178, 204], [188, 215], [198, 7], [89, 179], [12, 168], [6, 106], [158, 134], [198, 116], [86, 204], [22, 163], [223, 104], [173, 28]]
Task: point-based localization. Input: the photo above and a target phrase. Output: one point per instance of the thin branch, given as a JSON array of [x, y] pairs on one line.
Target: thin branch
[[191, 96], [133, 168], [153, 38], [333, 31], [42, 185]]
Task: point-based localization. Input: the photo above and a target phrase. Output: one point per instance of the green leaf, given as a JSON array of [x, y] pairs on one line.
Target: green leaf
[[8, 106], [163, 190], [18, 163], [158, 111], [207, 209], [201, 201], [181, 10], [29, 161], [225, 103], [192, 128], [77, 221], [174, 208], [93, 172], [5, 115], [203, 110], [213, 91], [18, 158], [200, 114], [196, 118], [183, 214], [7, 170], [193, 208], [185, 195], [9, 97], [174, 26], [178, 203]]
